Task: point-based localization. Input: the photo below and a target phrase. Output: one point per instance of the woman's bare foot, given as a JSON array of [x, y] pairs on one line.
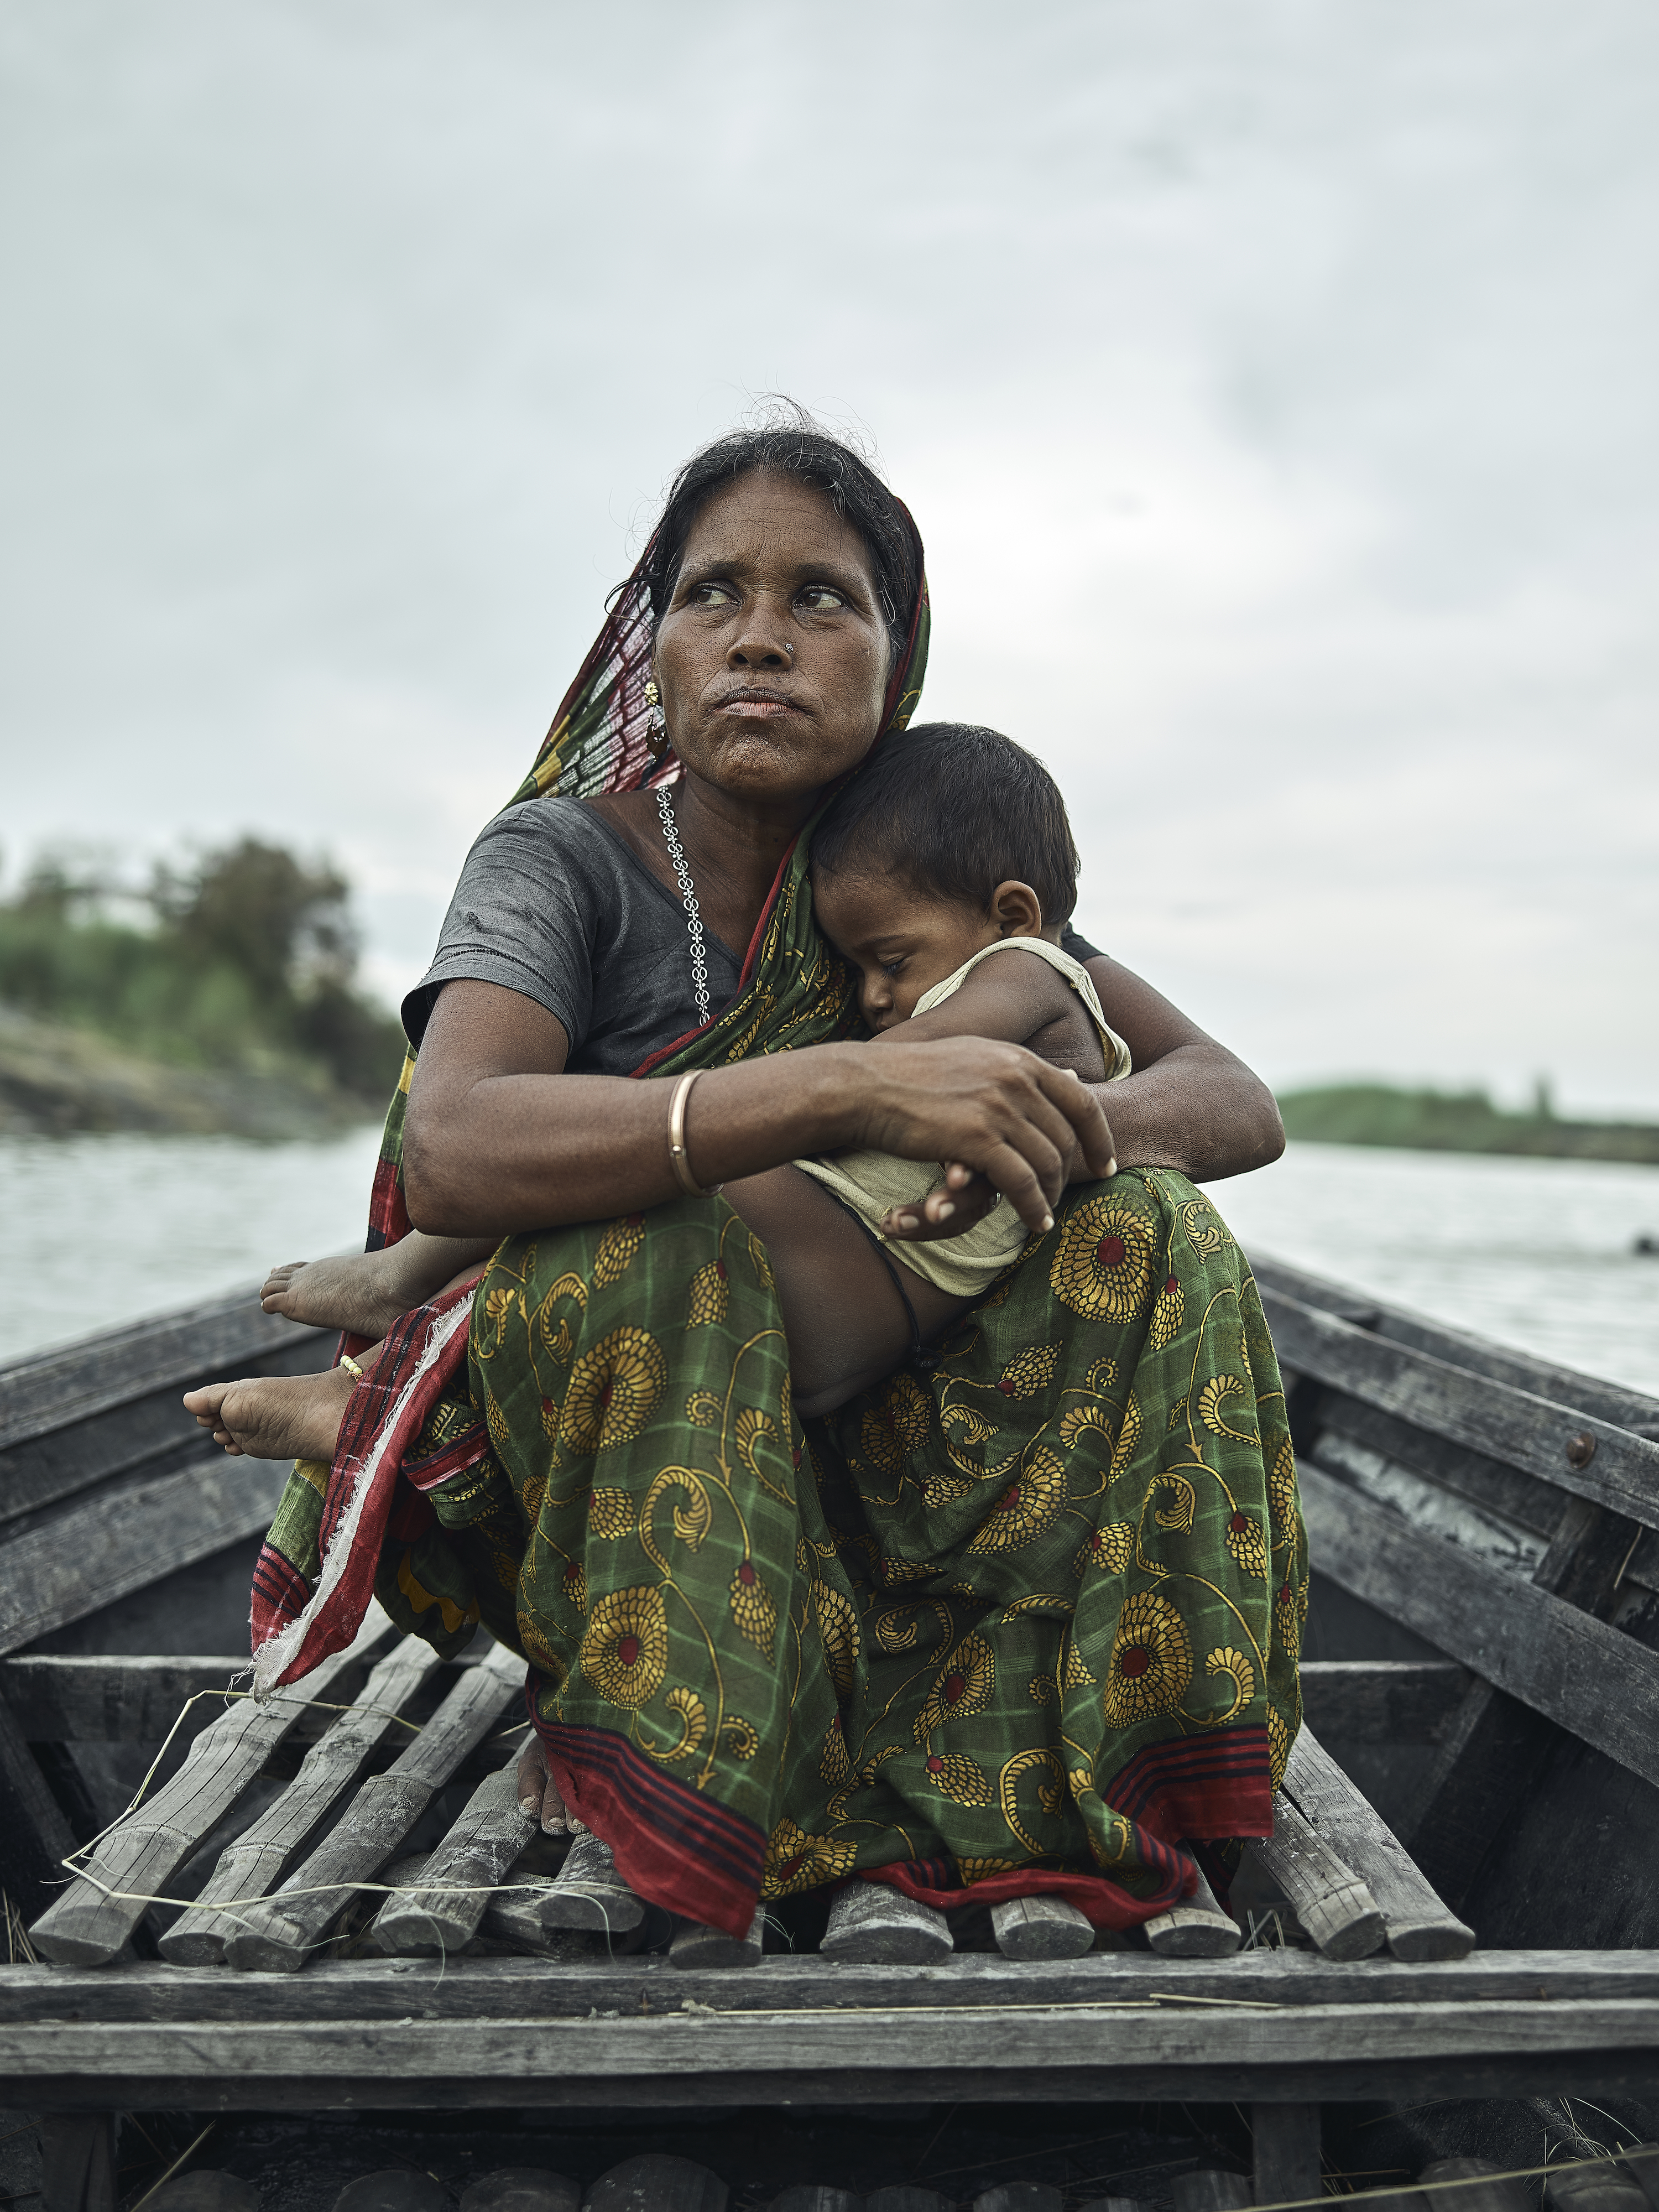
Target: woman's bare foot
[[539, 1795], [362, 1292], [276, 1416]]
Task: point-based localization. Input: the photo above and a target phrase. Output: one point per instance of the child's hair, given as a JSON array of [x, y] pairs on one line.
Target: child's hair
[[955, 810]]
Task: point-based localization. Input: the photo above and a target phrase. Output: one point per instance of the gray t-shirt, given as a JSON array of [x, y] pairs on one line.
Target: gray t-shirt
[[554, 903]]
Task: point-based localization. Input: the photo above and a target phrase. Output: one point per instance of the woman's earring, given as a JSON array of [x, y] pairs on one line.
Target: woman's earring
[[656, 728]]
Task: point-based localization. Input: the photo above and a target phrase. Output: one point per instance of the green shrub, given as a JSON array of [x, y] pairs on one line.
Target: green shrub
[[251, 958]]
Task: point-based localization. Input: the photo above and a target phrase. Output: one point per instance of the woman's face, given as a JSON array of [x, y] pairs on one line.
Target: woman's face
[[772, 659]]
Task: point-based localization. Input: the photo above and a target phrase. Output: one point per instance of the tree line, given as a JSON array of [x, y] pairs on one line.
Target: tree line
[[1456, 1121], [246, 958]]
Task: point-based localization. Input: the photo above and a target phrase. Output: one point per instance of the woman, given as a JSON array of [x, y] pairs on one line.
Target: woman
[[1024, 1617]]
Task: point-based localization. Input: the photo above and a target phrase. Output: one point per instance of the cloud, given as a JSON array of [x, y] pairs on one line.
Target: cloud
[[1269, 383]]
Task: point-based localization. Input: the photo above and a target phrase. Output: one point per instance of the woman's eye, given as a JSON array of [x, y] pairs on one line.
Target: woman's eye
[[820, 599], [710, 595]]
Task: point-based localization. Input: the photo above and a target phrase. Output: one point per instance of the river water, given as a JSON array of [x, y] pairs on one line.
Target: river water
[[102, 1229], [1538, 1253]]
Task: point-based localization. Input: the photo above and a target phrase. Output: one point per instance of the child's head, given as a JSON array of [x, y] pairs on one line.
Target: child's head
[[952, 837]]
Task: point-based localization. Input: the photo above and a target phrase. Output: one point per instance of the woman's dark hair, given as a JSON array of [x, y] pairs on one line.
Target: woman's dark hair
[[789, 443], [956, 811]]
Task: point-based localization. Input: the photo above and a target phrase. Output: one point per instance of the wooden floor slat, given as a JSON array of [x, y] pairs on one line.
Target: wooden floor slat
[[281, 1933], [252, 1866], [91, 1555], [1417, 1923], [88, 1925]]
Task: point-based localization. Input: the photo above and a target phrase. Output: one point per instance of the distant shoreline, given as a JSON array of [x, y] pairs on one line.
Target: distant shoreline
[[59, 1081], [1446, 1121]]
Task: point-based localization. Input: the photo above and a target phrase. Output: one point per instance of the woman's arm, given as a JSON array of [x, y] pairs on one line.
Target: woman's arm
[[1191, 1103], [499, 1139]]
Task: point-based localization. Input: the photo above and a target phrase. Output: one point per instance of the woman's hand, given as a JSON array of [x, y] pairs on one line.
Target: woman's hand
[[539, 1795], [995, 1111]]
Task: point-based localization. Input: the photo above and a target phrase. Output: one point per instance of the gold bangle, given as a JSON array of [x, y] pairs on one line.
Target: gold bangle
[[676, 1153], [351, 1367]]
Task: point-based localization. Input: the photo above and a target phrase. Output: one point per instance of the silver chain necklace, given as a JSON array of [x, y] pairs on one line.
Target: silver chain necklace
[[688, 901]]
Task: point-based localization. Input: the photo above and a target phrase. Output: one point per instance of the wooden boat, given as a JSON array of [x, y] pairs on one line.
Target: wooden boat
[[1481, 1680]]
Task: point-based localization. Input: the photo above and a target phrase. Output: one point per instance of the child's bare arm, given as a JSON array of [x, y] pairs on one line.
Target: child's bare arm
[[1018, 999]]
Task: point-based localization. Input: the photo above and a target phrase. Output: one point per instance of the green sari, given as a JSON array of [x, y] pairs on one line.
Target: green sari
[[1023, 1618]]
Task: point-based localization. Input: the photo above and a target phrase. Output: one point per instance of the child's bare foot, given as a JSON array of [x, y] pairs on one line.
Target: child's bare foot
[[276, 1416], [366, 1292], [362, 1292]]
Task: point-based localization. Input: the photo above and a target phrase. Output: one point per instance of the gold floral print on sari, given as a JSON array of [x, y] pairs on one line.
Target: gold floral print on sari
[[1102, 1265], [982, 1593]]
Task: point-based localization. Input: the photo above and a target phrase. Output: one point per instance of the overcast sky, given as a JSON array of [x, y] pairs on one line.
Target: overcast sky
[[1275, 382]]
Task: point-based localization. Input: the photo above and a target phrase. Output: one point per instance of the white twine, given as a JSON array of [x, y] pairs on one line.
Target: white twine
[[316, 1705], [231, 1905], [1434, 2188]]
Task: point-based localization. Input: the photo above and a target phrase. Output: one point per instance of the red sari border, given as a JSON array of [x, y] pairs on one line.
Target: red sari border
[[674, 1847], [384, 1416]]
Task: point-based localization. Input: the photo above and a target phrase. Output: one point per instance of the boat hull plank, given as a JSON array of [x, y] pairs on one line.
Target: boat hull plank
[[462, 1989], [1564, 1445], [1600, 1684], [47, 1391], [1382, 1701], [93, 1554], [34, 1836], [98, 1697], [1496, 1745], [1114, 2052], [1523, 1371]]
